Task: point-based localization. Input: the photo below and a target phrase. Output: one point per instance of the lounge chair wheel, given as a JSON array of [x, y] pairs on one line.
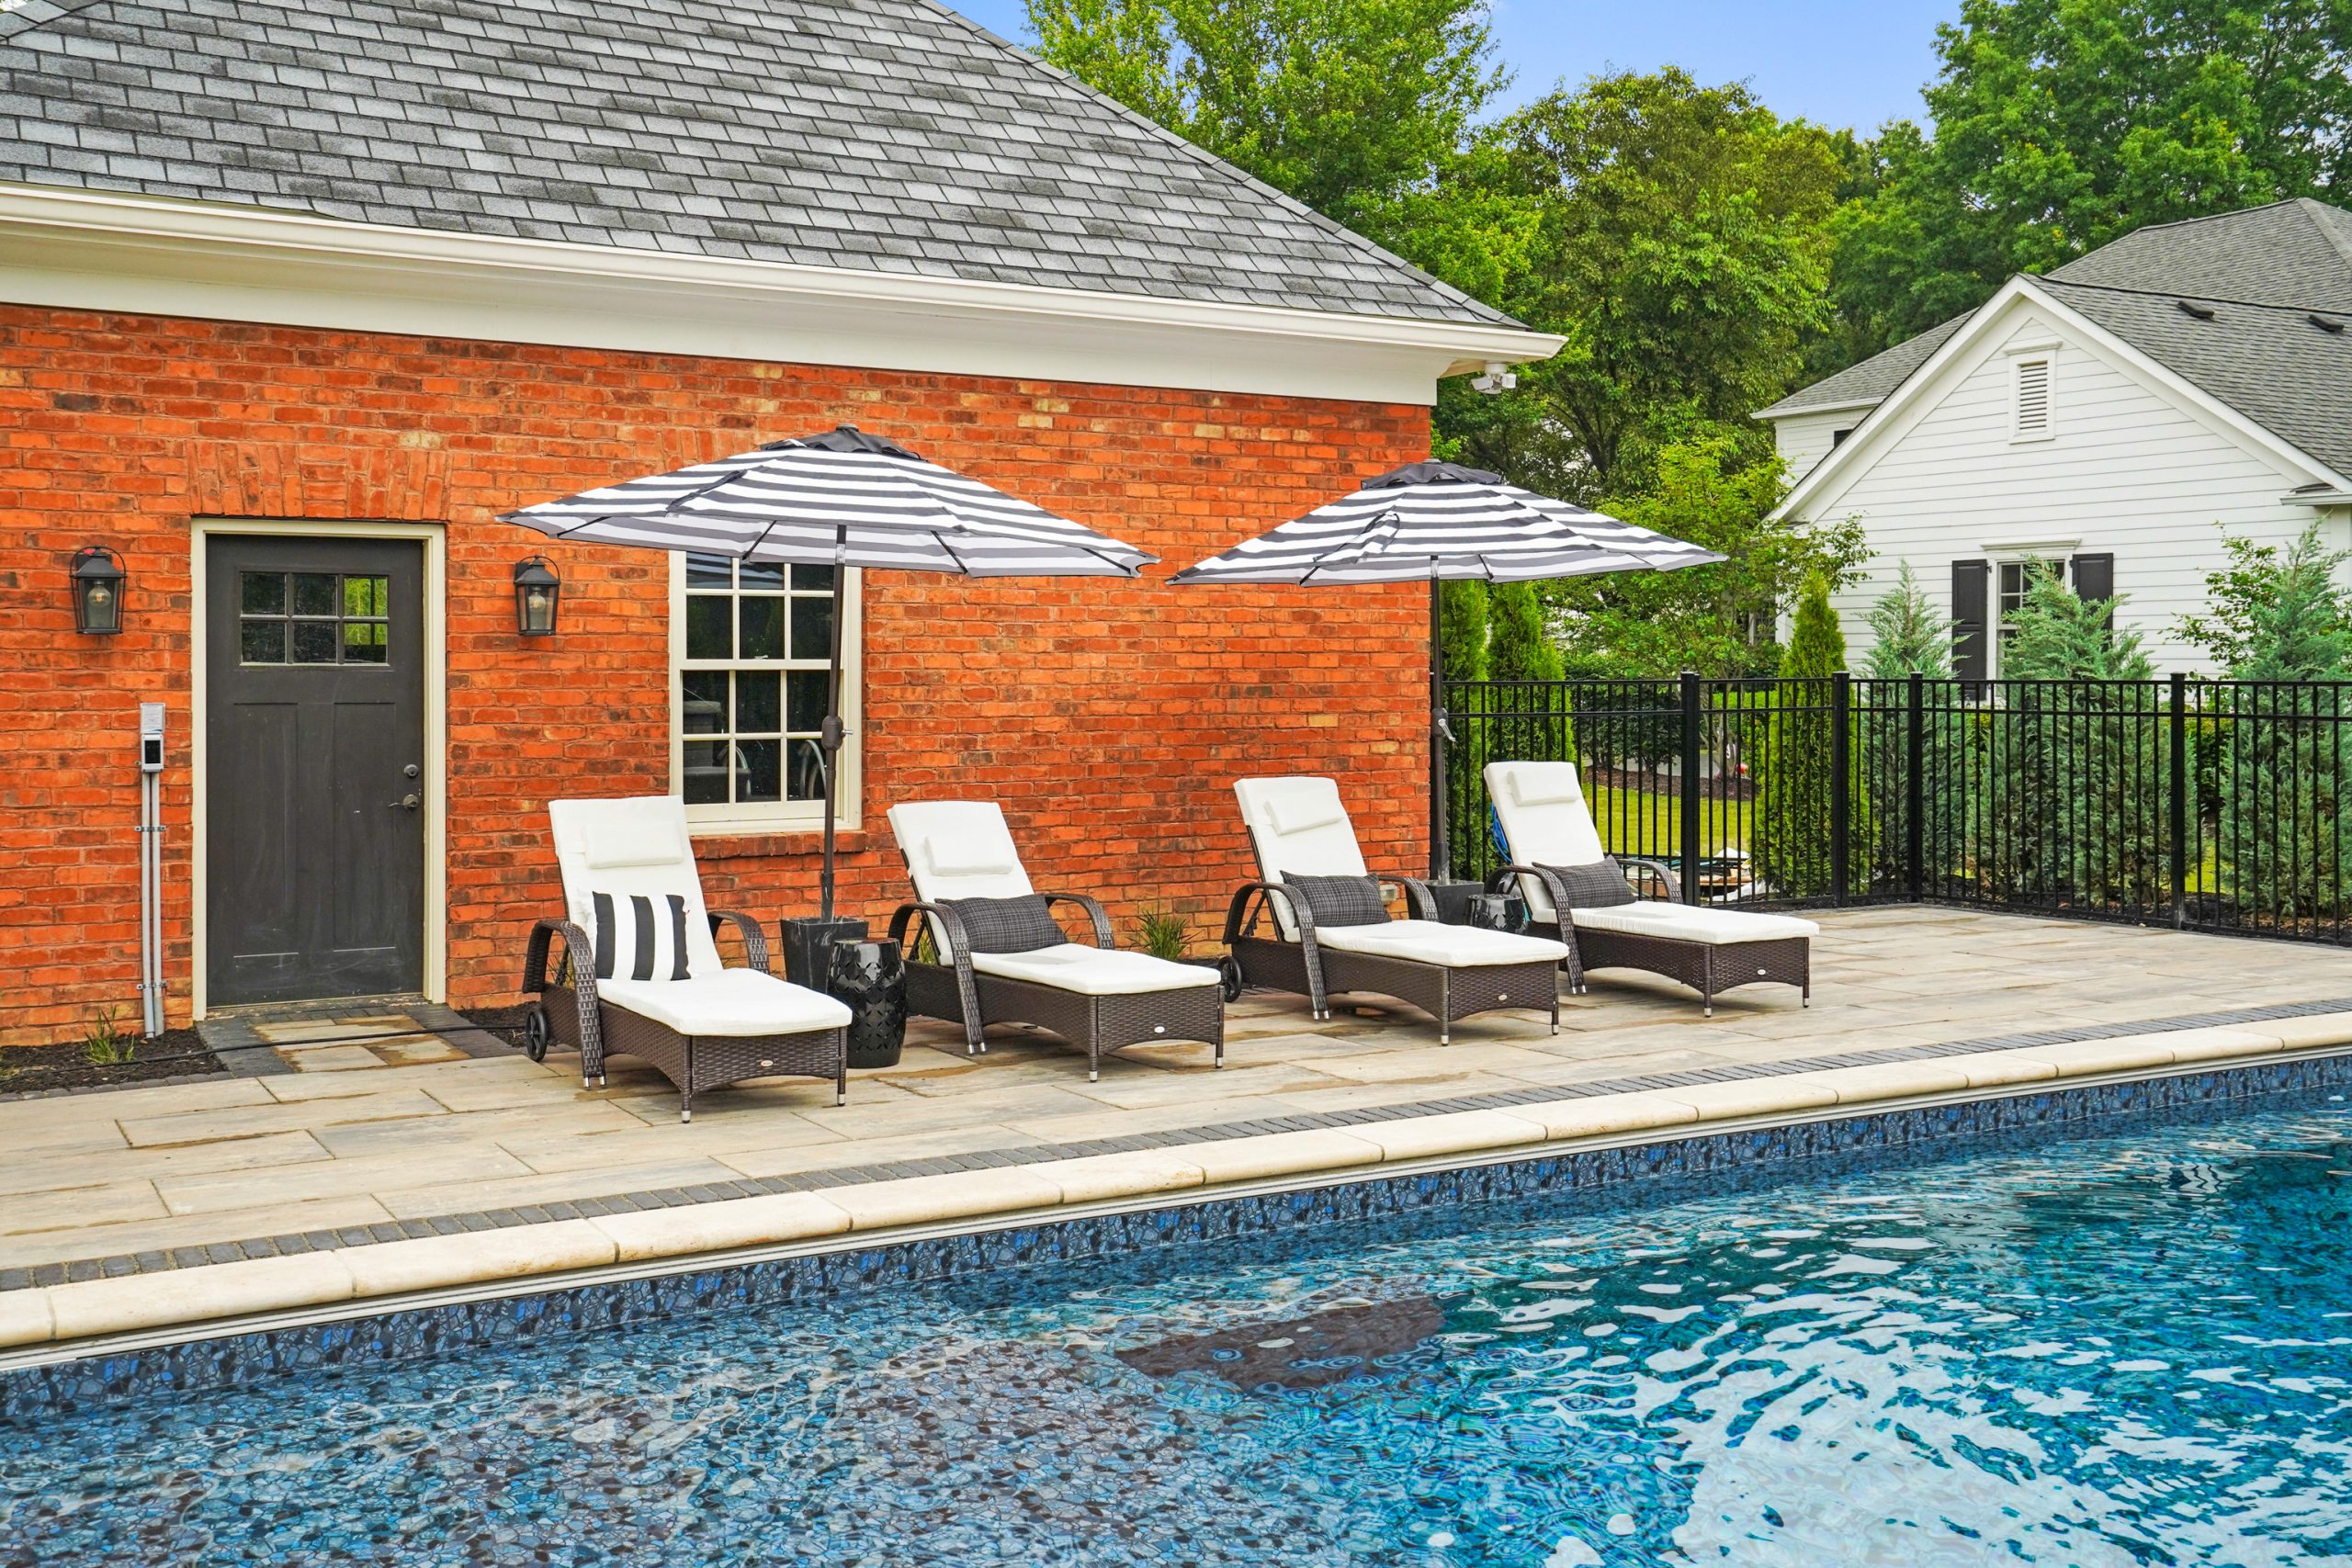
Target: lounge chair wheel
[[1228, 973], [538, 1032]]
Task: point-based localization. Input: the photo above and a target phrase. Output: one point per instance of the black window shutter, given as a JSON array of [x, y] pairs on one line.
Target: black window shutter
[[2095, 579], [1972, 586]]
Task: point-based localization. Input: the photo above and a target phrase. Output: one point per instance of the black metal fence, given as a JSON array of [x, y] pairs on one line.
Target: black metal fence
[[2207, 805]]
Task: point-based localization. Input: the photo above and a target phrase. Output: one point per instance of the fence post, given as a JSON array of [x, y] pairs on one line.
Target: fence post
[[2179, 813], [1914, 789], [1690, 787], [1841, 783]]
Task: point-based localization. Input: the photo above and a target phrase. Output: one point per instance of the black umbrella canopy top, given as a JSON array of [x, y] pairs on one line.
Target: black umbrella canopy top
[[842, 497], [1432, 520]]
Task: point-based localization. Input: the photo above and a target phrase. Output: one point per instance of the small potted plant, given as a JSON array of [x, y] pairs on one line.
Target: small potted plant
[[1165, 933]]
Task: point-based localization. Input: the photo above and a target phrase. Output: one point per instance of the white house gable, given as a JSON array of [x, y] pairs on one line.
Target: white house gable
[[2033, 434]]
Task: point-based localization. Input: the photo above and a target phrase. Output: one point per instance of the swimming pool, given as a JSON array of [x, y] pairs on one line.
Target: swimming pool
[[2133, 1348]]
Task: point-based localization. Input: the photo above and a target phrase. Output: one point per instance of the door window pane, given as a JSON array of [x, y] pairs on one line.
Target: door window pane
[[363, 642], [314, 594], [263, 593], [314, 642], [262, 642]]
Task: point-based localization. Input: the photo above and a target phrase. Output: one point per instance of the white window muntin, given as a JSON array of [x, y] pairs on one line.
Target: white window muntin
[[748, 657]]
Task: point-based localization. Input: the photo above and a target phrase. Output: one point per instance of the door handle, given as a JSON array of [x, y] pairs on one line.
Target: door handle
[[405, 803]]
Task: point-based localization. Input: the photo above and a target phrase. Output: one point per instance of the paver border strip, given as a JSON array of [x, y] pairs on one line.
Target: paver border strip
[[299, 1243]]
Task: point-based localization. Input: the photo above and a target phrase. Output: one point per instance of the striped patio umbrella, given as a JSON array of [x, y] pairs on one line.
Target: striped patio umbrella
[[841, 499], [1433, 522]]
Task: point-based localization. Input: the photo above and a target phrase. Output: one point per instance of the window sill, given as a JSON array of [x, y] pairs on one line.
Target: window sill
[[717, 843]]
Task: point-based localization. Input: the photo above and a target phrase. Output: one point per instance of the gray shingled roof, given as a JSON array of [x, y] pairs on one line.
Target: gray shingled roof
[[2263, 273], [883, 135], [1870, 381], [2291, 253], [2271, 363]]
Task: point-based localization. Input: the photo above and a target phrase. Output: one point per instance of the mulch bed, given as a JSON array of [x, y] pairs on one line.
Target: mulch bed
[[41, 1069]]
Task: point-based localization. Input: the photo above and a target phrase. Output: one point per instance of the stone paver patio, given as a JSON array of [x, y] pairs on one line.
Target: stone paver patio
[[370, 1137]]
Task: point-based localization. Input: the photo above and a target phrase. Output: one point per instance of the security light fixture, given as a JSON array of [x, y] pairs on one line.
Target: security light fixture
[[97, 591], [538, 591], [1500, 378]]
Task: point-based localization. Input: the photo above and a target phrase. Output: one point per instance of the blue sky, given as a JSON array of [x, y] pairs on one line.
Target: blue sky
[[1839, 62]]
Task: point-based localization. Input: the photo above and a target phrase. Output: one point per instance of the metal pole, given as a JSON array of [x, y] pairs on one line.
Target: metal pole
[[1440, 860], [828, 739], [2179, 813], [1841, 783], [1914, 789], [1690, 787], [147, 997]]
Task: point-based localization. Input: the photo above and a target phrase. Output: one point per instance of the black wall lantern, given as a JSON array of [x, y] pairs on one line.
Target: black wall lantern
[[97, 591], [536, 592]]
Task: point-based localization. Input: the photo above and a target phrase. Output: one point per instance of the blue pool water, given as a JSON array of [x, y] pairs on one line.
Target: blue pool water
[[2124, 1350]]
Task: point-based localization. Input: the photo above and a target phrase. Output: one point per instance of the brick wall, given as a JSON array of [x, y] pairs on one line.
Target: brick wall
[[1109, 717]]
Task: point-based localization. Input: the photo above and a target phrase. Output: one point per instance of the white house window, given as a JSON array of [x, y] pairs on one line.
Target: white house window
[[750, 644], [2032, 416]]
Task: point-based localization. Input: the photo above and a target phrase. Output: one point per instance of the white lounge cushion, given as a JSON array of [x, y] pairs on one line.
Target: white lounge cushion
[[957, 849], [1692, 922], [632, 846], [732, 1002], [1095, 971], [1448, 947], [1546, 821], [1299, 827]]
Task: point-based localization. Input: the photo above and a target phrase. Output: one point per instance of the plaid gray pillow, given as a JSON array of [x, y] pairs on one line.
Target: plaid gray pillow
[[1599, 885], [1340, 900], [1021, 924]]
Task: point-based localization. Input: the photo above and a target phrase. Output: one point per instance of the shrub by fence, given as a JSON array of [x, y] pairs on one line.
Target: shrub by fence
[[2214, 806]]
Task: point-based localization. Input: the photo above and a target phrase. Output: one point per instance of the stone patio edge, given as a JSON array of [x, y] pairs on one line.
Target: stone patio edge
[[179, 1299]]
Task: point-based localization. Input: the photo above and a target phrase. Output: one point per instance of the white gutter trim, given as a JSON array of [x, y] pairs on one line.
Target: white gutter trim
[[46, 234], [1776, 412]]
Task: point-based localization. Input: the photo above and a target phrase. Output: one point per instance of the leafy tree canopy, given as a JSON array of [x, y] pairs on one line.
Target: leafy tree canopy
[[1350, 105], [1906, 634], [2057, 635], [2063, 124], [1717, 620], [2268, 610]]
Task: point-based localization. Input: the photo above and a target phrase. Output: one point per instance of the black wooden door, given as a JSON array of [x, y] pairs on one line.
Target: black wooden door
[[314, 739]]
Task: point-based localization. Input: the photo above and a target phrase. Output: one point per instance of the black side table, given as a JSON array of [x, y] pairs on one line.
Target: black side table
[[1453, 901], [871, 978]]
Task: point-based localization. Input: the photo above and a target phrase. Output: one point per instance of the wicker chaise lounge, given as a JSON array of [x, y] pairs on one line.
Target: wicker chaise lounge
[[1004, 960], [1333, 933], [1559, 865], [649, 982]]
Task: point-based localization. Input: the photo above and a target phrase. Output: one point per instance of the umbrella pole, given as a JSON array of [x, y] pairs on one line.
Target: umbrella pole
[[1440, 863], [829, 738]]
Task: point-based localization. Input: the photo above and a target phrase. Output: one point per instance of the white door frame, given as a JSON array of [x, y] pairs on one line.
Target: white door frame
[[434, 540]]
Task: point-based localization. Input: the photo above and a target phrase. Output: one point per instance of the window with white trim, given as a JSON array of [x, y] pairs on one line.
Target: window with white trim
[[750, 647], [2030, 411]]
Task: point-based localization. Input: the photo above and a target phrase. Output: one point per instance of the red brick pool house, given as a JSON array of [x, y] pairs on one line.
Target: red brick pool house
[[295, 298]]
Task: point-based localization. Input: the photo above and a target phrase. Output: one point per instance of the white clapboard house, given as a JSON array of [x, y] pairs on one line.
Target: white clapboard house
[[2113, 417]]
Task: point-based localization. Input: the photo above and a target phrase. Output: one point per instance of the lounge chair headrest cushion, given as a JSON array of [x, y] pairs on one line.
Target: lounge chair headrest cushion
[[981, 855], [651, 841], [1538, 785], [1293, 815]]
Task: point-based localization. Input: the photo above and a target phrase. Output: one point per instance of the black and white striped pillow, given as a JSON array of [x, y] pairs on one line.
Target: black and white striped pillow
[[639, 936]]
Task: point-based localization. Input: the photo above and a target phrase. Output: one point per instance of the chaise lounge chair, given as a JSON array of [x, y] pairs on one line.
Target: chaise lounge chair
[[1548, 835], [648, 982], [1333, 933], [1004, 960]]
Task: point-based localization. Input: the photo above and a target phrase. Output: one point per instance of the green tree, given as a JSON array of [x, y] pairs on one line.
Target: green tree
[[1718, 619], [1677, 236], [2285, 781], [2240, 597], [1907, 635], [1523, 646], [1794, 773], [2078, 777], [1350, 105], [2061, 124]]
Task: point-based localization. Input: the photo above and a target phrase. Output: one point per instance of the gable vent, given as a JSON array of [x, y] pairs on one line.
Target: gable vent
[[2326, 324], [2203, 313], [2033, 398]]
